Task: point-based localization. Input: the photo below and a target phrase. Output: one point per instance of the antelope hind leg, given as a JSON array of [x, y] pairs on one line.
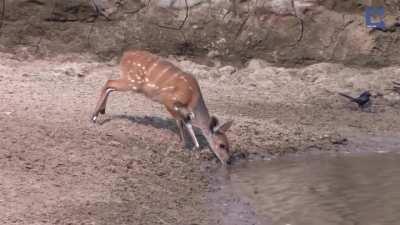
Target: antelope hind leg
[[110, 86]]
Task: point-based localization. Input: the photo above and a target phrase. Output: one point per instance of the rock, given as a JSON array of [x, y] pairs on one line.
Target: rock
[[114, 143], [227, 70], [256, 64], [213, 53], [74, 73]]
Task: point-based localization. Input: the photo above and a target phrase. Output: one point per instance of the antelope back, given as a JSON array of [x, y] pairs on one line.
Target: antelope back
[[159, 79]]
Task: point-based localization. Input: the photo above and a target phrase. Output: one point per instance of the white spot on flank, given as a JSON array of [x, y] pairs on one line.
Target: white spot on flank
[[152, 66], [184, 79], [152, 85], [162, 73], [167, 88]]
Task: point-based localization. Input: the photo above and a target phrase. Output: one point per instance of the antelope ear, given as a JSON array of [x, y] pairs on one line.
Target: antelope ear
[[213, 123], [224, 127]]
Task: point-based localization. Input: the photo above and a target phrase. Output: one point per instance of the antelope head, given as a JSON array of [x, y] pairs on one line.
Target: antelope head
[[217, 139]]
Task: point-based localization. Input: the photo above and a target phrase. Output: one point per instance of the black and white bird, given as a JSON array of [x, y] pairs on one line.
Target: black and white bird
[[361, 100], [396, 88]]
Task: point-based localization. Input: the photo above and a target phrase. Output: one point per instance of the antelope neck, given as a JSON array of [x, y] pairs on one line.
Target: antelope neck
[[201, 116]]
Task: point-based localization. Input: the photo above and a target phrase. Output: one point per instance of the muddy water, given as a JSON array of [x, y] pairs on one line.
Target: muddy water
[[322, 190]]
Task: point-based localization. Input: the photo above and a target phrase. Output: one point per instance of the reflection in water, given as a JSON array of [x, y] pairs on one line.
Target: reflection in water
[[358, 189]]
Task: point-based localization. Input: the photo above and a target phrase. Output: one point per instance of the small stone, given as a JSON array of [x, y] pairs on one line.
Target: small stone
[[114, 143], [257, 64], [227, 69], [213, 53]]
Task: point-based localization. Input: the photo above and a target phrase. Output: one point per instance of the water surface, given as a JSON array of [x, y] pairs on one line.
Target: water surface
[[323, 190]]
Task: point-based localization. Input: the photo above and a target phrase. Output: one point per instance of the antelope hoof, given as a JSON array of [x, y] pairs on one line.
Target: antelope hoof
[[94, 118], [191, 116]]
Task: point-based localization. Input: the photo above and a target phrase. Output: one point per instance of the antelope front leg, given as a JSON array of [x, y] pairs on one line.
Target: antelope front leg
[[187, 117], [189, 127], [110, 86], [180, 112], [179, 123]]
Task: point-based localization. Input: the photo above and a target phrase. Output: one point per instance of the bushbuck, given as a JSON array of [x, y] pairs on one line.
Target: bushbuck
[[156, 78]]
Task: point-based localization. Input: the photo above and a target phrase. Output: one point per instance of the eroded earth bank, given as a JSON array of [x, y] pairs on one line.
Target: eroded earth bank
[[275, 69], [59, 168]]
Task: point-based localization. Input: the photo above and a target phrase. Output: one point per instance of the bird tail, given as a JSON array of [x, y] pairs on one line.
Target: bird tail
[[347, 96]]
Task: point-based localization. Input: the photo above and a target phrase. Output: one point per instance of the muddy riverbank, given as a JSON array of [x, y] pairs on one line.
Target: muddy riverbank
[[59, 168]]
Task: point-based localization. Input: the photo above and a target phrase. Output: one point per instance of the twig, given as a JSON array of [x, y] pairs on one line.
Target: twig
[[301, 30], [396, 83], [139, 9], [90, 31], [136, 10], [43, 30], [241, 27], [183, 22], [300, 21], [94, 21], [98, 13], [98, 10], [40, 38], [3, 10], [337, 34]]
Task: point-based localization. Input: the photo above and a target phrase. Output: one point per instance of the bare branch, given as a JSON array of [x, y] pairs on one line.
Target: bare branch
[[241, 27], [42, 31], [3, 12], [301, 22], [183, 22], [139, 9], [90, 31], [99, 10]]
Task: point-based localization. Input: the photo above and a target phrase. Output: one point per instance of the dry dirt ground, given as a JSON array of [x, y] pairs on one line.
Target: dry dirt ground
[[56, 167]]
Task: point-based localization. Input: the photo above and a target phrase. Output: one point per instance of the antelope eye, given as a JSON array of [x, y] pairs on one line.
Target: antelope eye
[[222, 146]]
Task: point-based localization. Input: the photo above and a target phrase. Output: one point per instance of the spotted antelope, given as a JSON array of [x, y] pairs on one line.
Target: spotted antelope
[[148, 74]]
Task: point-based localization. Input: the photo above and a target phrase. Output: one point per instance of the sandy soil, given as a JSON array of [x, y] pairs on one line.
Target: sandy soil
[[59, 168]]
